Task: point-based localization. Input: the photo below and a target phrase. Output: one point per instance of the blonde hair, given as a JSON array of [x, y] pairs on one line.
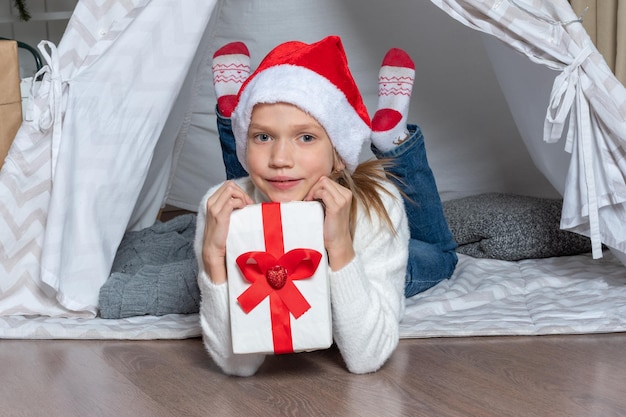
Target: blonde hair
[[366, 185]]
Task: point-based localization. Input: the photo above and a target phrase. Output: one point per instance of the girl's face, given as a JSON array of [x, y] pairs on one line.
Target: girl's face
[[288, 151]]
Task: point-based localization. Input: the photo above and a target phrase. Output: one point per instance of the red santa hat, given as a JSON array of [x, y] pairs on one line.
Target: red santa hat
[[315, 78]]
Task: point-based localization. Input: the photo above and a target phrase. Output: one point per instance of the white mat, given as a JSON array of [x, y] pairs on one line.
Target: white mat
[[565, 295]]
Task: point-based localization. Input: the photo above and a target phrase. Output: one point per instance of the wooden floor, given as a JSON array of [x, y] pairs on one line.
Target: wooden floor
[[540, 376]]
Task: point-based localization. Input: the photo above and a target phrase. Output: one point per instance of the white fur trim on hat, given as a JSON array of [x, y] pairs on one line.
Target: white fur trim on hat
[[310, 92]]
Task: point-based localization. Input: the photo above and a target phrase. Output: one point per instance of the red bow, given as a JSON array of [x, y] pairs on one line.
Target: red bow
[[272, 274]]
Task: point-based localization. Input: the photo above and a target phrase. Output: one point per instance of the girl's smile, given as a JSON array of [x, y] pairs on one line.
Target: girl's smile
[[283, 183]]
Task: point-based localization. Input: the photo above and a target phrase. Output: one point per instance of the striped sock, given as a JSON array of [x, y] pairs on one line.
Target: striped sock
[[231, 67], [395, 83]]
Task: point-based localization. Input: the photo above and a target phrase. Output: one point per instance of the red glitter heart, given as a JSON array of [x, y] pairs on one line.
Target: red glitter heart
[[276, 276]]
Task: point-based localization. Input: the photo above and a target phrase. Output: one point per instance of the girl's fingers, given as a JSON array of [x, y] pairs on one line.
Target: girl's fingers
[[219, 207], [228, 197], [333, 196]]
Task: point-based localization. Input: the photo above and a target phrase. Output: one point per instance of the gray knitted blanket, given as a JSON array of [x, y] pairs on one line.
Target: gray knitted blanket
[[154, 272]]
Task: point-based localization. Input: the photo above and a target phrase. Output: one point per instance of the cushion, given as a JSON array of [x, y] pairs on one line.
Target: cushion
[[511, 227]]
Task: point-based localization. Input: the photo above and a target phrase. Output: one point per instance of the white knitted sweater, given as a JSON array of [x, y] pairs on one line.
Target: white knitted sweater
[[367, 295]]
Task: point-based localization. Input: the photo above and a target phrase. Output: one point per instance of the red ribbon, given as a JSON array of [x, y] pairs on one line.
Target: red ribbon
[[285, 299]]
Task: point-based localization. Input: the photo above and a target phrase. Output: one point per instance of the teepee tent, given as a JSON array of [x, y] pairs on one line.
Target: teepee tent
[[123, 121]]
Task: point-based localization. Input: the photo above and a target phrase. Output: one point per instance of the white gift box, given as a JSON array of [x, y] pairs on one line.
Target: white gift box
[[278, 286]]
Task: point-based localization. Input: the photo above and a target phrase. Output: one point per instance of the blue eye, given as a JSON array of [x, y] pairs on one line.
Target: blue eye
[[307, 138], [262, 137]]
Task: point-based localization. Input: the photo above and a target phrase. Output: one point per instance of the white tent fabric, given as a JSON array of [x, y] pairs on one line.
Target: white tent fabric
[[73, 178], [98, 155], [586, 96]]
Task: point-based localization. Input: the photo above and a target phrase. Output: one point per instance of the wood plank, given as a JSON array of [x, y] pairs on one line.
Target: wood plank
[[566, 375]]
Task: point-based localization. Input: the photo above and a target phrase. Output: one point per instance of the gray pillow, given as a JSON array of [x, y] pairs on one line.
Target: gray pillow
[[511, 227]]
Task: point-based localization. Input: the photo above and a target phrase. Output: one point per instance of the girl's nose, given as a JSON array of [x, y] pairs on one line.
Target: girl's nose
[[281, 155]]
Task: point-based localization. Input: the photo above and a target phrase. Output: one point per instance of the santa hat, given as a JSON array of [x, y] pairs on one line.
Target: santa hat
[[315, 78]]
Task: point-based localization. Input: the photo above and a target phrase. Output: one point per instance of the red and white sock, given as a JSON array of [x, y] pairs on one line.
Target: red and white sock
[[395, 83], [231, 67]]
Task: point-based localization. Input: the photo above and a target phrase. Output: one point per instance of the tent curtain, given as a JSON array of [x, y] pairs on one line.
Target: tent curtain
[[605, 22], [586, 109], [69, 185]]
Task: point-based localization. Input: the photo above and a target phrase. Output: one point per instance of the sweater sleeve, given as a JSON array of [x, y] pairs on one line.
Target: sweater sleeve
[[214, 314], [367, 295]]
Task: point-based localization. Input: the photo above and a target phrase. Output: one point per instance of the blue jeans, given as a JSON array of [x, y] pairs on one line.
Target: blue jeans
[[432, 256], [229, 153]]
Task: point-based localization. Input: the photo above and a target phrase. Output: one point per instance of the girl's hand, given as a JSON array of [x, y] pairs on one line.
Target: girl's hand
[[337, 201], [219, 207]]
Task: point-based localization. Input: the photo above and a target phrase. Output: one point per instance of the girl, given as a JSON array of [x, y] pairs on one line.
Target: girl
[[298, 126]]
